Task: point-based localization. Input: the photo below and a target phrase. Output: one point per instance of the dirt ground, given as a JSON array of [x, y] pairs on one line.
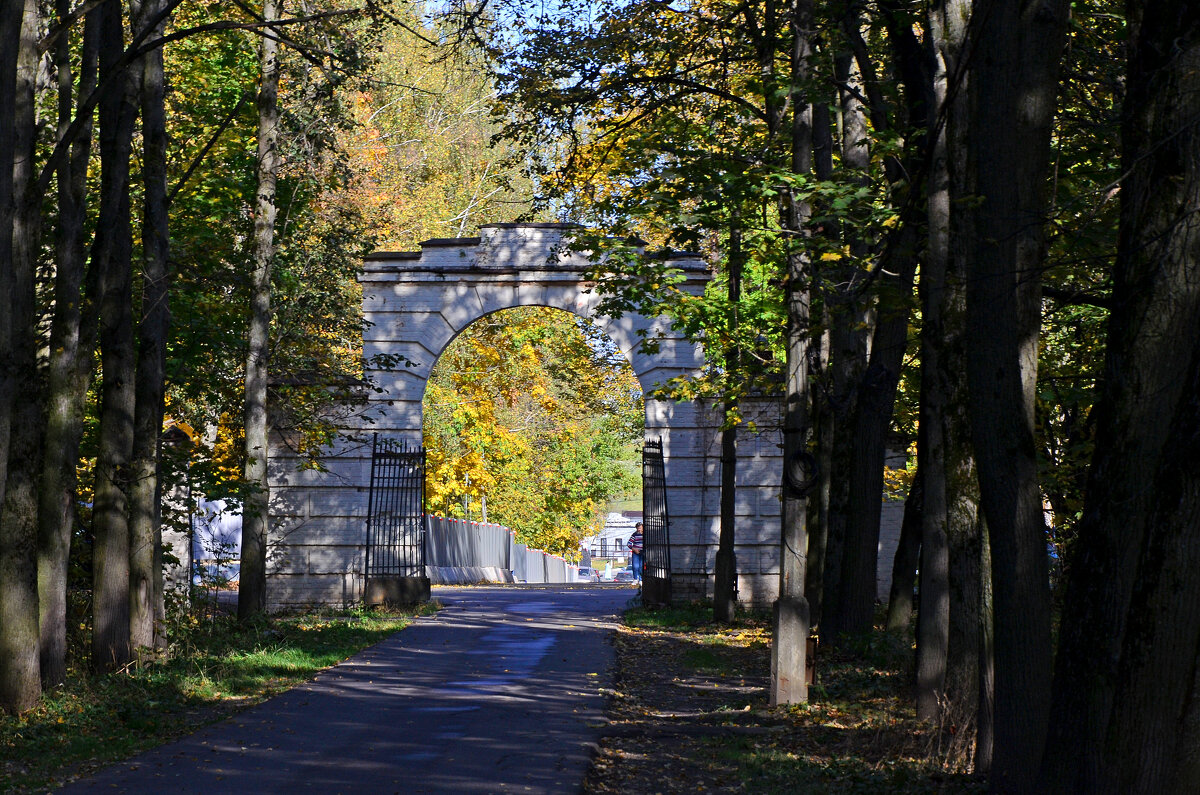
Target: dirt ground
[[690, 714]]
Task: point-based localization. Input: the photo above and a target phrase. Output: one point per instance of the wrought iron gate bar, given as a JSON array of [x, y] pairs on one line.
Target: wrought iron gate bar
[[396, 510], [655, 522]]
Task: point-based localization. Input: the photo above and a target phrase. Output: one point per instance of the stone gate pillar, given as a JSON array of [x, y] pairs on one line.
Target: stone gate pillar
[[414, 304]]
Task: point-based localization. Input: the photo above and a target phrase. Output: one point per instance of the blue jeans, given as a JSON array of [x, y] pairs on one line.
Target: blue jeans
[[637, 565]]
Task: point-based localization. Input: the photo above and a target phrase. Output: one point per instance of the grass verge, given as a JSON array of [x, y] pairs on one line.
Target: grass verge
[[217, 667], [690, 714]]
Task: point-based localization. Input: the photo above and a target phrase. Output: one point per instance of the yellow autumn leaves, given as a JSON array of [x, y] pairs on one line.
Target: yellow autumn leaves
[[536, 413]]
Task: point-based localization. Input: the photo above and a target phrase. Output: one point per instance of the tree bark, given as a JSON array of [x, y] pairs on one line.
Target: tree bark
[[110, 552], [872, 418], [252, 590], [70, 361], [823, 430], [11, 13], [20, 682], [1014, 79], [849, 323], [908, 558], [1125, 695], [725, 581], [789, 649], [948, 651], [968, 655], [985, 731], [145, 554], [853, 595]]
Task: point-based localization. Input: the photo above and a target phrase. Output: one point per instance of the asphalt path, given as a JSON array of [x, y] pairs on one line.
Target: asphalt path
[[501, 691]]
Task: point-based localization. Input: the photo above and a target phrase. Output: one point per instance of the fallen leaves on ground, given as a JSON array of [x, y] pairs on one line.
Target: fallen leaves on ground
[[689, 714]]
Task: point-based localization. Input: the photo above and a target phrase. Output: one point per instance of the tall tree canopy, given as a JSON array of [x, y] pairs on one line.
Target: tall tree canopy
[[1027, 166]]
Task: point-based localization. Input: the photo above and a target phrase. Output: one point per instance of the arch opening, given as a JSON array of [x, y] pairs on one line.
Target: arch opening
[[532, 418], [414, 305]]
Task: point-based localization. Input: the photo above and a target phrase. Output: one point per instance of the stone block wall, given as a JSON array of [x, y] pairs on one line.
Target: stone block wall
[[414, 304]]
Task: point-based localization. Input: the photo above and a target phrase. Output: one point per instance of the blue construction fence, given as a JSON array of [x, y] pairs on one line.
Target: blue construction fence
[[459, 552]]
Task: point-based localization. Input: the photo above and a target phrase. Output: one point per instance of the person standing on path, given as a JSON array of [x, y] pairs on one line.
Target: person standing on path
[[635, 545]]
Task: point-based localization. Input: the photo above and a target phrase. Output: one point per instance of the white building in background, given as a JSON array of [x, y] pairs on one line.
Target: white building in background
[[216, 541], [610, 541]]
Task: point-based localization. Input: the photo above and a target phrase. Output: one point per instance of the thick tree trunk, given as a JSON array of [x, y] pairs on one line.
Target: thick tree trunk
[[1014, 79], [145, 552], [11, 12], [968, 660], [252, 593], [12, 691], [725, 585], [110, 552], [70, 360], [948, 652], [789, 650], [849, 333], [933, 633], [908, 558], [20, 682], [1124, 715]]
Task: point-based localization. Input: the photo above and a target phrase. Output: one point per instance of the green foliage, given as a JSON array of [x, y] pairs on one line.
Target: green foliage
[[420, 154], [1081, 250], [535, 410], [320, 237], [672, 125]]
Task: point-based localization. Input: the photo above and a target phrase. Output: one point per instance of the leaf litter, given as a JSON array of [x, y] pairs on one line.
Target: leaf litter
[[690, 713]]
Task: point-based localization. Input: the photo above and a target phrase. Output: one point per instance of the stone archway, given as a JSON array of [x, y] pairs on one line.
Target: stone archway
[[414, 304]]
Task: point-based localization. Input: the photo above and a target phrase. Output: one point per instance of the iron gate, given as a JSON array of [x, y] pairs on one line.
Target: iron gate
[[656, 574], [396, 510]]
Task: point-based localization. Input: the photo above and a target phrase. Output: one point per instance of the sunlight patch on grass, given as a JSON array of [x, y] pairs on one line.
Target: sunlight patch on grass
[[217, 667]]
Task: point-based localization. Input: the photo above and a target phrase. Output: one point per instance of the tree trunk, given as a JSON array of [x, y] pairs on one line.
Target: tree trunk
[[849, 324], [1124, 713], [20, 682], [110, 552], [12, 687], [145, 555], [1014, 78], [985, 720], [823, 429], [968, 655], [72, 338], [933, 633], [252, 591], [948, 654], [11, 13], [725, 585], [789, 650], [872, 418], [853, 597], [908, 558]]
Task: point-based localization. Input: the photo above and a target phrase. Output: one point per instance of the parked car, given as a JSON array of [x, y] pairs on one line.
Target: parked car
[[588, 574], [625, 575]]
